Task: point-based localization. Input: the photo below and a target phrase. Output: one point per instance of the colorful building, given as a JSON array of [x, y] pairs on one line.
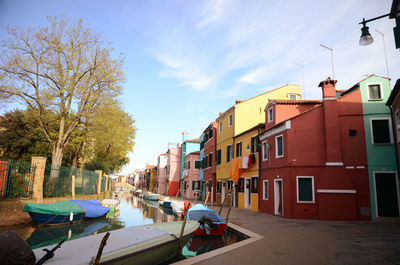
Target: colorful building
[[237, 119], [245, 168], [173, 169], [188, 146], [208, 167], [318, 156], [191, 176], [161, 180]]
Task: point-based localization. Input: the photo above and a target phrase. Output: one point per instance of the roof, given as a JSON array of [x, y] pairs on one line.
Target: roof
[[395, 7], [394, 93], [194, 153], [258, 126], [240, 101], [196, 140], [358, 84], [295, 102]]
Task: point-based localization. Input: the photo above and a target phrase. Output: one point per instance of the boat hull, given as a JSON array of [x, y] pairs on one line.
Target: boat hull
[[148, 244], [213, 232], [151, 197], [51, 219]]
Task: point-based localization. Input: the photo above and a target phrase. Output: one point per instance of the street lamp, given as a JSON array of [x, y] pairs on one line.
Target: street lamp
[[366, 38]]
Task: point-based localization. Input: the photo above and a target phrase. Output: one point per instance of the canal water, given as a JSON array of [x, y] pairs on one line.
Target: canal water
[[133, 212]]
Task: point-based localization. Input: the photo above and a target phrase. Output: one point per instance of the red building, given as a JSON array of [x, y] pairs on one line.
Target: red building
[[313, 159], [209, 172]]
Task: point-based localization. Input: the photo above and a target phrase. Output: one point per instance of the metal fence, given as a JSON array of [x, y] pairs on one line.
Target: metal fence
[[16, 179], [58, 181]]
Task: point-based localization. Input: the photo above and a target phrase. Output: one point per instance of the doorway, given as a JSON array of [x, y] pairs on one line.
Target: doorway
[[247, 193], [278, 197], [386, 194]]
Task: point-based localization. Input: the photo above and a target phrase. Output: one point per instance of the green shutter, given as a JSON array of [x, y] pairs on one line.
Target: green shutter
[[210, 160]]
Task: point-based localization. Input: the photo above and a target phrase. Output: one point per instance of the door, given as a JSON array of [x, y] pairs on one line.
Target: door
[[223, 192], [247, 193], [386, 193], [278, 197]]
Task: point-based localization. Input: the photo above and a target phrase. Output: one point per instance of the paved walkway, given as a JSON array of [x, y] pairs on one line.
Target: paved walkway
[[289, 241]]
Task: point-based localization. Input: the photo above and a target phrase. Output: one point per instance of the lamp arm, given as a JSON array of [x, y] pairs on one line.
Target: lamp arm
[[375, 18]]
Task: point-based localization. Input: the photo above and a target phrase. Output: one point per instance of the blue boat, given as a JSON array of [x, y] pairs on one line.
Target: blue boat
[[93, 208], [211, 223], [64, 212]]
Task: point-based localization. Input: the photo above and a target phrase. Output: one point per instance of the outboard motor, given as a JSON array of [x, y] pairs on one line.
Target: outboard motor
[[206, 222]]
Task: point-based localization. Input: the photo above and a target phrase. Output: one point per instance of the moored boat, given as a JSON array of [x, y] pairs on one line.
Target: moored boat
[[151, 196], [177, 207], [93, 208], [55, 213], [148, 244], [166, 202], [211, 223]]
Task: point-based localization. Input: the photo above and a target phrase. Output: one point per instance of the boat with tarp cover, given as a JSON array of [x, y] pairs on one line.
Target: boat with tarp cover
[[146, 244], [64, 211], [211, 223]]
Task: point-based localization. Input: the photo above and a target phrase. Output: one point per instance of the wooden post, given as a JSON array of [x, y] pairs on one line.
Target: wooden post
[[181, 234], [100, 173], [222, 204], [73, 187], [205, 202], [100, 251]]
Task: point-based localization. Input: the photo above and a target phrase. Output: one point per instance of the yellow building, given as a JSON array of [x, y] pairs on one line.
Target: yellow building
[[247, 156], [239, 118]]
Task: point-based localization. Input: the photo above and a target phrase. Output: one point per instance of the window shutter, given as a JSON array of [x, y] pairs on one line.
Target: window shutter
[[210, 160]]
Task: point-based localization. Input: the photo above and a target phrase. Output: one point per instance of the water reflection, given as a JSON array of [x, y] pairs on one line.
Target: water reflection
[[133, 211]]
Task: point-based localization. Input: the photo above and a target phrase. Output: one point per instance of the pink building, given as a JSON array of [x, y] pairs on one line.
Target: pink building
[[173, 170], [161, 179], [191, 176]]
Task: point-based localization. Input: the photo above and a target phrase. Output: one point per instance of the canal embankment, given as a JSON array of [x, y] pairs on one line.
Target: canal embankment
[[308, 242]]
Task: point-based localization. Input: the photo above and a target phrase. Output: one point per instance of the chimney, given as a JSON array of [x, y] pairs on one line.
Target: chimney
[[184, 136], [331, 120]]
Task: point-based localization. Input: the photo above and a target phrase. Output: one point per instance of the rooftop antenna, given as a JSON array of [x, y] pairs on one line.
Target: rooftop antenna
[[333, 73]]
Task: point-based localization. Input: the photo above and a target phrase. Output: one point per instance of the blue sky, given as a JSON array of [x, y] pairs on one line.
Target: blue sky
[[186, 61]]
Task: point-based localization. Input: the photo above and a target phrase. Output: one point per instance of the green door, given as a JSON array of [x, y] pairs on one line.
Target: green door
[[386, 194]]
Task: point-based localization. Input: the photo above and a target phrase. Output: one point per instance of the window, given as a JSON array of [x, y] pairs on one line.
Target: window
[[265, 189], [241, 185], [292, 96], [254, 185], [381, 133], [210, 134], [220, 126], [239, 149], [230, 120], [196, 185], [228, 153], [270, 115], [219, 186], [219, 157], [279, 146], [305, 189], [374, 92], [185, 185], [210, 160], [188, 164], [254, 144], [197, 164], [264, 151], [352, 132]]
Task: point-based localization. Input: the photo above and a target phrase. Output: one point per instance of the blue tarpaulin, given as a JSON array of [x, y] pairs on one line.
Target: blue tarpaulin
[[93, 208]]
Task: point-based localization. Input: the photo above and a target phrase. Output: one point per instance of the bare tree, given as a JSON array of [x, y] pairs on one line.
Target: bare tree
[[64, 68]]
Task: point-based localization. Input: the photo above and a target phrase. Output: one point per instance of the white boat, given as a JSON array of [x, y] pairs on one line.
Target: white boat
[[111, 203], [151, 196], [177, 207], [147, 244]]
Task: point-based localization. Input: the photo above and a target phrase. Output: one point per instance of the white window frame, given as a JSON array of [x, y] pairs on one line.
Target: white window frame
[[230, 120], [381, 92], [220, 127], [241, 149], [230, 153], [270, 112], [264, 150], [276, 147], [390, 130], [265, 198], [312, 187], [292, 94], [208, 165]]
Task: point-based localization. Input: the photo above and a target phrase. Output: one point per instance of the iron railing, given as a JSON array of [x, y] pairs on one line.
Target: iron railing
[[16, 179]]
